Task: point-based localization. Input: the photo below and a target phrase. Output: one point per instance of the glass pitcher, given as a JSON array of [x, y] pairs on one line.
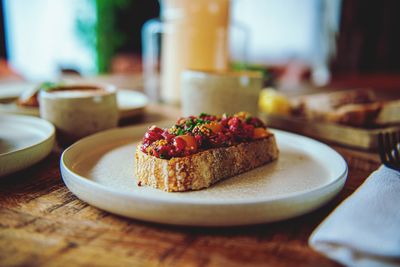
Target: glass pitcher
[[190, 35]]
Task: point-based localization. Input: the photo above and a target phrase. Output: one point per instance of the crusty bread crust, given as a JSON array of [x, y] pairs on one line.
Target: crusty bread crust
[[202, 169]]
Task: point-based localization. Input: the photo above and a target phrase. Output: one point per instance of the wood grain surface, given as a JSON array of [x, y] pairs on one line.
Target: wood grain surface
[[43, 224]]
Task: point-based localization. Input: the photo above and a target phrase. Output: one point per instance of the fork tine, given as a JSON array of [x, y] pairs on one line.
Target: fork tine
[[381, 146], [396, 153], [389, 147], [385, 149]]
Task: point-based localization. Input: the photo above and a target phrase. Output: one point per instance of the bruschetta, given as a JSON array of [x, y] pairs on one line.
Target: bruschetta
[[199, 151]]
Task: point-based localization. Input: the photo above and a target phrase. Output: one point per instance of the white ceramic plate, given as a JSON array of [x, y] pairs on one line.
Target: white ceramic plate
[[24, 141], [12, 108], [12, 90], [130, 103], [100, 170]]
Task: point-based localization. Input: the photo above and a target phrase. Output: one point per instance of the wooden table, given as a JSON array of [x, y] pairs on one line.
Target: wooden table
[[43, 224]]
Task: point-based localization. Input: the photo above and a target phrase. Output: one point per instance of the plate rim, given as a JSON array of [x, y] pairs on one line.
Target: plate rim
[[14, 94], [341, 178], [41, 121], [40, 148]]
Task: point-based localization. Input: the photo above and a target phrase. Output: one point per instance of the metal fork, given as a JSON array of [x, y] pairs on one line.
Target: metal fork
[[389, 149]]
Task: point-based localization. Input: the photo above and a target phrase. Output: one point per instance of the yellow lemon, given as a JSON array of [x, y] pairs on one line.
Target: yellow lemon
[[273, 102]]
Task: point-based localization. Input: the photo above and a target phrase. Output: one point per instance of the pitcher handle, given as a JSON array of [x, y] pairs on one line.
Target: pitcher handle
[[150, 58], [239, 41]]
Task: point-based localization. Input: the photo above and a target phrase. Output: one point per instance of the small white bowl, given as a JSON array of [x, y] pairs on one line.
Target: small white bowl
[[78, 110]]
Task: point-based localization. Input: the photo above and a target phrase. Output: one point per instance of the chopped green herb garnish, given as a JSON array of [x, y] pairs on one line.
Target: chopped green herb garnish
[[190, 128], [203, 114], [199, 121], [180, 132], [189, 122], [46, 86]]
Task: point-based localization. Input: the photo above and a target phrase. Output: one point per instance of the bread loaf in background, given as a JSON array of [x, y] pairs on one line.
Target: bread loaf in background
[[359, 108]]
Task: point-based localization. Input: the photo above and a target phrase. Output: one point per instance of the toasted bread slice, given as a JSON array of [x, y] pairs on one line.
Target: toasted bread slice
[[205, 168]]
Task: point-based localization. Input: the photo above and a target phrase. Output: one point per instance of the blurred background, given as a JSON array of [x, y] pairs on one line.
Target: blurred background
[[314, 41]]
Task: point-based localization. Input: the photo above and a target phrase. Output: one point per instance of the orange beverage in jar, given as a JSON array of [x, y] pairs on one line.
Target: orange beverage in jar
[[194, 36]]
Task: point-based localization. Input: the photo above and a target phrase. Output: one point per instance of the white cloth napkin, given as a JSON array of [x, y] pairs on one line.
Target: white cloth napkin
[[365, 229]]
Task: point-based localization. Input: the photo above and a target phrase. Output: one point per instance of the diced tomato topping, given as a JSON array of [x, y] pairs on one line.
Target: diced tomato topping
[[189, 140], [215, 127], [260, 133], [179, 143], [192, 134]]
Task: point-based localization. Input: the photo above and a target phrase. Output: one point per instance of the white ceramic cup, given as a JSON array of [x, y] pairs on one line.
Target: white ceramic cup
[[78, 110], [220, 92]]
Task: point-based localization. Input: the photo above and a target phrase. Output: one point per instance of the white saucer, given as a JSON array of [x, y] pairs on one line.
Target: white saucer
[[12, 90], [130, 103]]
